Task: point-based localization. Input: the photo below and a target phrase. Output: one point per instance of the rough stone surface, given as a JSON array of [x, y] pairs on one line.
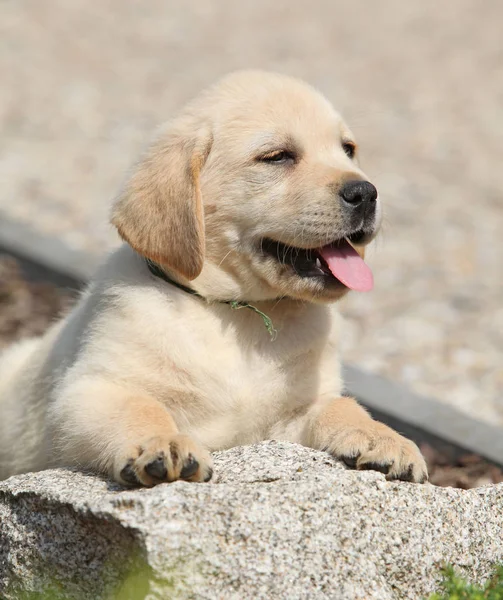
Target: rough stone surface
[[278, 521]]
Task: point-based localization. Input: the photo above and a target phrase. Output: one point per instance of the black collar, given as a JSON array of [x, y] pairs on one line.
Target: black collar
[[157, 271]]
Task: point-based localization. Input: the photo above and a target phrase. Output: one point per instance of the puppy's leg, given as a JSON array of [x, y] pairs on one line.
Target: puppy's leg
[[123, 433], [346, 430]]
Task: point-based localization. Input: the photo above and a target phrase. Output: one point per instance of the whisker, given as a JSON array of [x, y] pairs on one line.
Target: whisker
[[220, 263], [278, 300]]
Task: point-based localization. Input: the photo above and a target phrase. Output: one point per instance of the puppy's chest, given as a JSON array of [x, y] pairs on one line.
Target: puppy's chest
[[244, 376], [251, 383], [239, 397]]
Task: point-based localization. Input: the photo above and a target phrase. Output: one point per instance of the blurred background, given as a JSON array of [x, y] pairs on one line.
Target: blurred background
[[83, 84]]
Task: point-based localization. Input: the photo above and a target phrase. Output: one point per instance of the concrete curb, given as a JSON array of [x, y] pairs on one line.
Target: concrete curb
[[54, 258], [418, 417]]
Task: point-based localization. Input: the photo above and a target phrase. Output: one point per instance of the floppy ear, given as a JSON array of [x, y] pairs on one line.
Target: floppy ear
[[160, 211]]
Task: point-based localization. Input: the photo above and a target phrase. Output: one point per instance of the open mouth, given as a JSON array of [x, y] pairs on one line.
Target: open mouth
[[335, 262]]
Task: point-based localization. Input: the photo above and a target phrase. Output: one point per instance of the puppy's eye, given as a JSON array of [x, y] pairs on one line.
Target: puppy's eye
[[278, 157], [349, 148]]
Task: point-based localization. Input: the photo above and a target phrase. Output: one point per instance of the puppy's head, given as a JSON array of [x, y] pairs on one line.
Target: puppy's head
[[254, 193]]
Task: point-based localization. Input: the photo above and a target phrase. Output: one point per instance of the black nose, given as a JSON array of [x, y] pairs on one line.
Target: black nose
[[358, 193]]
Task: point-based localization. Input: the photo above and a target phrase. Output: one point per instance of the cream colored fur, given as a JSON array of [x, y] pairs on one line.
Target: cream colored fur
[[142, 380]]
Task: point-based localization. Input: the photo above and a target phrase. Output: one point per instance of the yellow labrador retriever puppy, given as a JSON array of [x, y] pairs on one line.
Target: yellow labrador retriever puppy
[[214, 324]]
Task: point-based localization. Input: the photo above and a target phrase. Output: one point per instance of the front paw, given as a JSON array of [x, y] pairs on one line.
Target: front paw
[[377, 447], [163, 459]]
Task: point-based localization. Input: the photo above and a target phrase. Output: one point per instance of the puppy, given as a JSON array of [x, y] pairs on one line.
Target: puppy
[[215, 323]]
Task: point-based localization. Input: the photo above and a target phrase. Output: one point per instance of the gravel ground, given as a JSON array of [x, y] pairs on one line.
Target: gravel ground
[[27, 309], [85, 83]]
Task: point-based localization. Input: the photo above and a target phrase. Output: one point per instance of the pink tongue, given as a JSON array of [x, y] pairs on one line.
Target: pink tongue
[[347, 266]]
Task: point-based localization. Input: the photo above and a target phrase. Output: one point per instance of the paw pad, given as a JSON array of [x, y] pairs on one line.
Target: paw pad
[[157, 468]]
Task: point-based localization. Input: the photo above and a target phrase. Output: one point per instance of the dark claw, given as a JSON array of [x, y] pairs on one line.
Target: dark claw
[[374, 466], [350, 461], [189, 468], [407, 475], [157, 468], [128, 474], [209, 476], [424, 478]]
